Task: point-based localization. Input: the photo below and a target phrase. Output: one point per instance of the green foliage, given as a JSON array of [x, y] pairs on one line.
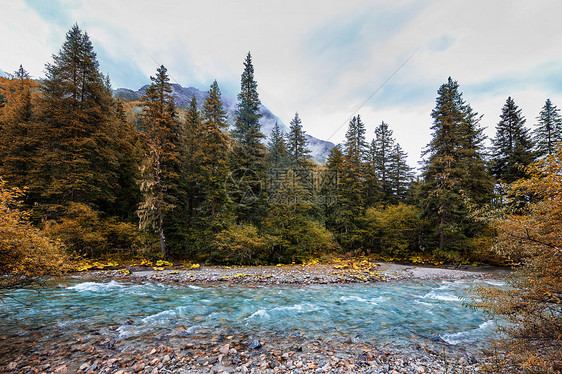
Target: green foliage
[[393, 229], [512, 145], [351, 197], [216, 146], [297, 144], [278, 155], [248, 153], [297, 236], [161, 167], [454, 175], [549, 129], [76, 144]]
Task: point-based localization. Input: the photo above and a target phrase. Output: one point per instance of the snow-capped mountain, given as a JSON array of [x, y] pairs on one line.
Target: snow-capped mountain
[[182, 96]]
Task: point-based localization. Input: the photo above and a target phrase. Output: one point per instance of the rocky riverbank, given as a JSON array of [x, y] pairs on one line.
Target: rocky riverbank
[[105, 350], [92, 354], [351, 272]]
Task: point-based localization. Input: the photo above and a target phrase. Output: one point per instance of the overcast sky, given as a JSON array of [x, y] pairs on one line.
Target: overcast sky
[[321, 58]]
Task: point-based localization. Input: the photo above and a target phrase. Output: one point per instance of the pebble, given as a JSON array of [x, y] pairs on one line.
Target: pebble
[[225, 349]]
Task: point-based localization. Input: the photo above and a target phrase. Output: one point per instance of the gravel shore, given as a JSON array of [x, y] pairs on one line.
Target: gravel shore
[[179, 352], [356, 272]]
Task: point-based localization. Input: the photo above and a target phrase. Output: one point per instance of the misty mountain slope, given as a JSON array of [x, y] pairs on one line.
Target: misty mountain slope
[[182, 96]]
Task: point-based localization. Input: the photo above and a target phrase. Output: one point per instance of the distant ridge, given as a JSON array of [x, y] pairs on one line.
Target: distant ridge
[[319, 149]]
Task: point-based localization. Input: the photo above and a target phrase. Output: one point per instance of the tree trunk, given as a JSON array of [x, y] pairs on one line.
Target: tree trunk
[[441, 232]]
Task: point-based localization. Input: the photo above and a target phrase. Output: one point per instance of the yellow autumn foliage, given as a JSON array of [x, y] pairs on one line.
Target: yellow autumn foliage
[[25, 251], [530, 236]]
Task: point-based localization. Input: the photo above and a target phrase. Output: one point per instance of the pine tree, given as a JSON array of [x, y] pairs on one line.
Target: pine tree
[[216, 150], [332, 212], [128, 158], [549, 129], [191, 181], [17, 149], [297, 144], [248, 155], [400, 174], [277, 147], [512, 146], [382, 150], [372, 189], [455, 169], [352, 180], [76, 159], [162, 164], [247, 128]]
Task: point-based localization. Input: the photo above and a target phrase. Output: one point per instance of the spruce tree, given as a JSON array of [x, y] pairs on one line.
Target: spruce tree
[[128, 158], [248, 154], [297, 144], [247, 133], [216, 147], [76, 158], [162, 163], [277, 149], [549, 129], [454, 170], [17, 127], [332, 212], [352, 180], [192, 187], [400, 174], [512, 146], [372, 188], [382, 150]]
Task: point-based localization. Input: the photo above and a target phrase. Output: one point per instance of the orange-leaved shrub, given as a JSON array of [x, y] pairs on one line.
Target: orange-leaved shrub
[[26, 252], [530, 236]]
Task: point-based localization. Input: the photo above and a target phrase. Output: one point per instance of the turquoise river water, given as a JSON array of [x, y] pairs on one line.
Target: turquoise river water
[[397, 314]]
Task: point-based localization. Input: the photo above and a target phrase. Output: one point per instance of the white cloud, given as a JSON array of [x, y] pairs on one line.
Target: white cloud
[[320, 58], [27, 39]]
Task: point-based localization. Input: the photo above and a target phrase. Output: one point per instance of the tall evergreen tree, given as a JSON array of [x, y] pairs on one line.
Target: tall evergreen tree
[[352, 179], [17, 149], [248, 156], [277, 147], [162, 164], [372, 189], [297, 144], [512, 146], [216, 150], [192, 154], [400, 174], [332, 212], [128, 158], [76, 159], [549, 129], [382, 150], [250, 152], [455, 169]]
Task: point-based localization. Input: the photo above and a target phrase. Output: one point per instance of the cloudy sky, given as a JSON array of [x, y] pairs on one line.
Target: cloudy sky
[[326, 59]]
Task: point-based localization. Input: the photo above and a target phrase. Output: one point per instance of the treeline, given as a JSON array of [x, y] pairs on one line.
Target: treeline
[[148, 178]]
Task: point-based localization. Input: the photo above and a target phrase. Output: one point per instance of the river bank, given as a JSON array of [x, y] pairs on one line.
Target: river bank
[[171, 345], [352, 272]]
